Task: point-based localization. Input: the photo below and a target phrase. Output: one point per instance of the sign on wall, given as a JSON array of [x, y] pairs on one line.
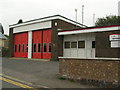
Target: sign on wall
[[115, 40]]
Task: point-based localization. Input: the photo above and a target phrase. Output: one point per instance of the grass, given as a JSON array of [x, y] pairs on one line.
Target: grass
[[61, 78]]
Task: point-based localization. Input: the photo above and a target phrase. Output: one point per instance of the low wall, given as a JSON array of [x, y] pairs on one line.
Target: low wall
[[98, 70]]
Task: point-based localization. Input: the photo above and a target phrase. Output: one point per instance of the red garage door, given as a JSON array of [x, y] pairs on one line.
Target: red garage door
[[37, 44], [20, 45], [46, 44], [41, 44]]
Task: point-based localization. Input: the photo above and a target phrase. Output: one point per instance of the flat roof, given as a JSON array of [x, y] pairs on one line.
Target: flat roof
[[49, 18], [89, 29]]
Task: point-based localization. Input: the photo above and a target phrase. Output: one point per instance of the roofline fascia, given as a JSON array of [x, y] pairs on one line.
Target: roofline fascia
[[43, 19]]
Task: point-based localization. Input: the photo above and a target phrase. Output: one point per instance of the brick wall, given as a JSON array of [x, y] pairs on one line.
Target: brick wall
[[99, 70], [103, 45]]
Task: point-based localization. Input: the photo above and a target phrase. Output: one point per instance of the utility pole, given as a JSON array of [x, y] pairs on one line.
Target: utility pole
[[93, 19], [76, 17], [82, 14]]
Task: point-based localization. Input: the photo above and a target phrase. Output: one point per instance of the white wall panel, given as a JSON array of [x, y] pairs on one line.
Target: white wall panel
[[81, 53], [30, 27], [29, 44], [74, 52], [66, 53], [87, 52]]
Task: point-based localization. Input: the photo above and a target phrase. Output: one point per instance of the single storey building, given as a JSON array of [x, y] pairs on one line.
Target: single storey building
[[38, 38]]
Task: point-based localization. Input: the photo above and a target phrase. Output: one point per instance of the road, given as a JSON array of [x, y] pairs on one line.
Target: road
[[9, 85], [10, 82], [41, 74]]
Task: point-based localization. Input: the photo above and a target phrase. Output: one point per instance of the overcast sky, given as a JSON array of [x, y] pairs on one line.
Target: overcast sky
[[13, 10]]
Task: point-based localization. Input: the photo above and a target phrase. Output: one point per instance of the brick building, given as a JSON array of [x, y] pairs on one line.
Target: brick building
[[39, 38]]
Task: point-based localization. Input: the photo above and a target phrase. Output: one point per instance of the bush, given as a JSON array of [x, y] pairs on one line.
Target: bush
[[5, 52]]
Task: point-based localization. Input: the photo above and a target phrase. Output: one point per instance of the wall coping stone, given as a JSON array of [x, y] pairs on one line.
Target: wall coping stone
[[98, 59]]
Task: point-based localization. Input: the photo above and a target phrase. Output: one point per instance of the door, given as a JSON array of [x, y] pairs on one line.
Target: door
[[46, 44], [20, 42], [37, 44]]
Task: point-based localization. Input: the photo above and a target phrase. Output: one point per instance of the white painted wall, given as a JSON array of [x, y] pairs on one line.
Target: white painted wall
[[30, 44], [34, 26], [87, 52]]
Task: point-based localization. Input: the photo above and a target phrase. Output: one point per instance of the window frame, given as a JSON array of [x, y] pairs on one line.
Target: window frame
[[49, 47], [39, 48], [34, 49], [27, 48], [93, 45], [23, 48], [15, 48], [19, 47], [73, 42], [82, 46], [65, 44], [44, 48]]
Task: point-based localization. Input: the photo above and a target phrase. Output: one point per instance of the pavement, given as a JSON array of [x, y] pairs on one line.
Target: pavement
[[41, 74]]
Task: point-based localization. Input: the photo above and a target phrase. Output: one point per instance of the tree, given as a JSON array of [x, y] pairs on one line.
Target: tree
[[108, 20], [20, 21], [1, 29]]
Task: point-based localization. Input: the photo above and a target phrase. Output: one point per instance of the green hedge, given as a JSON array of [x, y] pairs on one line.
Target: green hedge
[[5, 52]]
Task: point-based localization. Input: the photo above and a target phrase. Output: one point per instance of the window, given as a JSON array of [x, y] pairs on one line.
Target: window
[[73, 44], [34, 47], [45, 47], [81, 44], [39, 47], [67, 44], [49, 47], [18, 47], [93, 44], [15, 48], [26, 47], [22, 47]]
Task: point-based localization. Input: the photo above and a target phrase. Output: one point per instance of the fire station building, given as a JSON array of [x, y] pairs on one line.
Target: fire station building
[[57, 36], [39, 38]]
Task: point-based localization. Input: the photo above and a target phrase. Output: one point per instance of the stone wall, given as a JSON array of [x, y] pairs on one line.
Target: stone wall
[[98, 70]]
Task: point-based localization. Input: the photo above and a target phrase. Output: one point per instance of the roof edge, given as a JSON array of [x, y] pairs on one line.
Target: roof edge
[[47, 18], [93, 27]]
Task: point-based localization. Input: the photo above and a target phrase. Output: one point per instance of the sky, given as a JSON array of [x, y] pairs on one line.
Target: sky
[[13, 10]]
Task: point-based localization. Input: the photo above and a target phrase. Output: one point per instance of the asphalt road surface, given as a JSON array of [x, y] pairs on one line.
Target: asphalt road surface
[[41, 74], [8, 85]]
